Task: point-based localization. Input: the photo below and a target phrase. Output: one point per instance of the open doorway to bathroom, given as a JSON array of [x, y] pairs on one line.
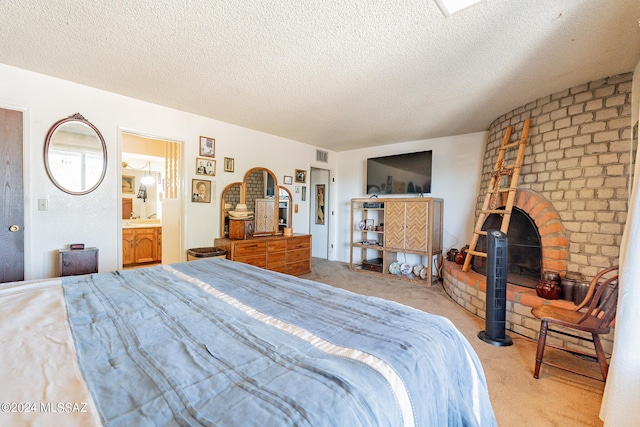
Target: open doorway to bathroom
[[151, 201]]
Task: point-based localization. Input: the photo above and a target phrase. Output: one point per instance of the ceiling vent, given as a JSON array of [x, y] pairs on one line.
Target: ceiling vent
[[322, 156]]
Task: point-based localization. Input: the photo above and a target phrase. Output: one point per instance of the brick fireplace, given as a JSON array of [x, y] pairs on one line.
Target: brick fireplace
[[573, 185], [553, 244]]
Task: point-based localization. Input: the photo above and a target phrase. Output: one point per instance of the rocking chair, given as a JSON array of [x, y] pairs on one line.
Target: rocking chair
[[601, 304]]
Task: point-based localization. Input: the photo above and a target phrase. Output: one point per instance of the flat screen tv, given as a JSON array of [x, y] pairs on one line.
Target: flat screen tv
[[408, 173]]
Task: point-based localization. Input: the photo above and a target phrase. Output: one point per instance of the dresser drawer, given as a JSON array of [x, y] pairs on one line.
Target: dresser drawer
[[298, 255], [299, 268], [277, 246], [298, 243], [252, 248], [259, 260]]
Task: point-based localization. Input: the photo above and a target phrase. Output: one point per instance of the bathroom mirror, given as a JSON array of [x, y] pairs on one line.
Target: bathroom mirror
[[75, 155]]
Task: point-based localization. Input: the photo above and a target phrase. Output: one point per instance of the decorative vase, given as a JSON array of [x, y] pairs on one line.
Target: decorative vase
[[460, 256], [548, 289]]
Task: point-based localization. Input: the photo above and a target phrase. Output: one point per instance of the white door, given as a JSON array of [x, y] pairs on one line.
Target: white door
[[320, 213]]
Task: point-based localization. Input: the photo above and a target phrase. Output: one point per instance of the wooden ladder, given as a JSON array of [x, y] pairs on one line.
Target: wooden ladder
[[495, 193]]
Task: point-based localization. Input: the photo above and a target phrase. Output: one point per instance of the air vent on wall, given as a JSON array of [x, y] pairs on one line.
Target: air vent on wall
[[322, 156]]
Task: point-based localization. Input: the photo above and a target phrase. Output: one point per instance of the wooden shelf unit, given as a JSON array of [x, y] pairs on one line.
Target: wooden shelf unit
[[396, 229]]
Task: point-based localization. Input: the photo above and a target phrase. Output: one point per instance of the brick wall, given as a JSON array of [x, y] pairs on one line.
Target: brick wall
[[578, 158]]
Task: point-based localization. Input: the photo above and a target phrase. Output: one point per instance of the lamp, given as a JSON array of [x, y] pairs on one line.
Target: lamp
[[148, 179]]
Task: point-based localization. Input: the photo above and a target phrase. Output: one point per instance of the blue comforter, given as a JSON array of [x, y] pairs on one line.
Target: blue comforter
[[218, 343]]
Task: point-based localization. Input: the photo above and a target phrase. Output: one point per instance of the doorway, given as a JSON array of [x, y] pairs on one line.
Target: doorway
[[157, 201], [12, 212], [320, 212]]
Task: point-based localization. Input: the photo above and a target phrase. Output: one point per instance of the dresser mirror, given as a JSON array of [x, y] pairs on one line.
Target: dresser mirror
[[75, 155], [258, 192], [284, 208], [230, 198]]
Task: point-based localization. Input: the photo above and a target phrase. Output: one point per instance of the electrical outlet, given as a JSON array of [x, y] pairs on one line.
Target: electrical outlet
[[43, 204]]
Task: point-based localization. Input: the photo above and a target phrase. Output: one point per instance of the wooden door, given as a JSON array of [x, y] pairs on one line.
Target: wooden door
[[12, 211], [394, 233], [146, 245], [416, 226]]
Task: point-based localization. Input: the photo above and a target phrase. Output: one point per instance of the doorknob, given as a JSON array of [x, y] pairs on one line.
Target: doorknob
[[13, 228]]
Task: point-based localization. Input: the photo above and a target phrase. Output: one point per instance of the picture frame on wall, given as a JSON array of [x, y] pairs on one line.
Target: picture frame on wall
[[200, 191], [229, 164], [301, 175], [207, 146], [288, 180], [205, 166], [320, 189], [128, 184]]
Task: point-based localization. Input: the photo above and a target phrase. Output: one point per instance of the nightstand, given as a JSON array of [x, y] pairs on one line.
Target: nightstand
[[78, 261]]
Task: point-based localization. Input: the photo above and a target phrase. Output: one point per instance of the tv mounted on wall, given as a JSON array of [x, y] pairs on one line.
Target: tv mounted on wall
[[400, 173]]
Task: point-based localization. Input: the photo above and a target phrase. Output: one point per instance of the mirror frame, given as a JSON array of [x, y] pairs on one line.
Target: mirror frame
[[47, 145], [223, 211], [290, 210], [243, 199]]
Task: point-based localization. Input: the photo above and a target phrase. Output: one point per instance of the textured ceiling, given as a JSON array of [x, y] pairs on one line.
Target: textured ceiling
[[339, 74]]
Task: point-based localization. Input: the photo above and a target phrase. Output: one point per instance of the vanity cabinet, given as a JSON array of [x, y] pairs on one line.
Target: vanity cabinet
[[285, 254], [141, 245]]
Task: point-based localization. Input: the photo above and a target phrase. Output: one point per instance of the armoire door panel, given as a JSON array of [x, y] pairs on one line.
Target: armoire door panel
[[394, 225], [416, 226]]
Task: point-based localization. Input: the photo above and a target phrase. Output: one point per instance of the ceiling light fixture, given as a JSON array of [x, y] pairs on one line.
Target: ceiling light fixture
[[449, 7], [148, 179]]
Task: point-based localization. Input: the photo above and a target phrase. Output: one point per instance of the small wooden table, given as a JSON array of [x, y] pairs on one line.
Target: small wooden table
[[73, 262]]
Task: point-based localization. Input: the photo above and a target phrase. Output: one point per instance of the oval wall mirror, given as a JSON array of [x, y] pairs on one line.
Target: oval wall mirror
[[75, 155]]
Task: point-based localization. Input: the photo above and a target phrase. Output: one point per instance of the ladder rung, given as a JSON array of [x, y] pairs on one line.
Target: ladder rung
[[482, 254], [502, 190], [481, 232], [507, 167], [495, 211], [513, 144]]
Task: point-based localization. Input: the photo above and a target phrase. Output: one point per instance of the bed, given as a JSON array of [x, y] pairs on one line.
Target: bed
[[218, 343]]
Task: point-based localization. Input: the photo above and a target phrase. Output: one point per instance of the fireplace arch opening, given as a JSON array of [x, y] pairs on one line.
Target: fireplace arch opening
[[524, 248]]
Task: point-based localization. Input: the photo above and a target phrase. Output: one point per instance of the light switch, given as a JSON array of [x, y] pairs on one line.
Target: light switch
[[43, 204]]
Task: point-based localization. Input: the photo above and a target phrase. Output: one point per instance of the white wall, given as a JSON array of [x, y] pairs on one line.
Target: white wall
[[93, 219], [457, 164]]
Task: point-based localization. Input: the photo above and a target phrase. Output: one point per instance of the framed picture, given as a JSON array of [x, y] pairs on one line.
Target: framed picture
[[288, 180], [128, 184], [229, 164], [369, 224], [207, 146], [320, 203], [205, 166], [200, 191], [301, 175]]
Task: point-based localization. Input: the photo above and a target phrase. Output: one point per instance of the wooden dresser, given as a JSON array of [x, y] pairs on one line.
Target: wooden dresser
[[290, 255]]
